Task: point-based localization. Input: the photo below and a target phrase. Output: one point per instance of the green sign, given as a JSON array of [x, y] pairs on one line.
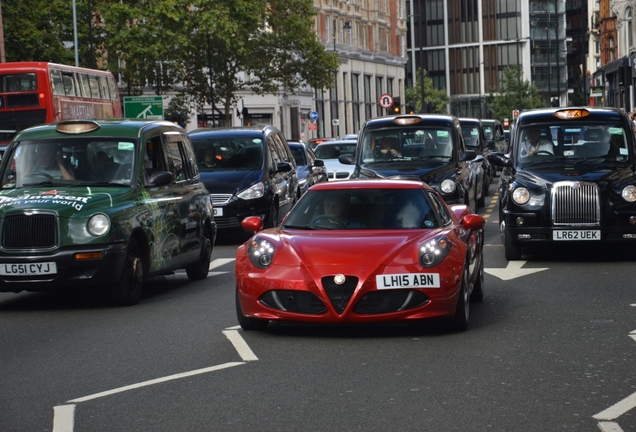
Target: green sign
[[143, 107]]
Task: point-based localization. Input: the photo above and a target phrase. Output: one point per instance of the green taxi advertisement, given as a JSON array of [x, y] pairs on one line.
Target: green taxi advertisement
[[102, 205]]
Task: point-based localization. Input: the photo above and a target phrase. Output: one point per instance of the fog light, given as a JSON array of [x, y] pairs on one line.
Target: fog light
[[629, 236], [632, 220], [520, 220]]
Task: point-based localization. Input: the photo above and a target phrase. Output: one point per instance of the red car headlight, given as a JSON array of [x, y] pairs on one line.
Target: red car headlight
[[261, 252], [434, 251]]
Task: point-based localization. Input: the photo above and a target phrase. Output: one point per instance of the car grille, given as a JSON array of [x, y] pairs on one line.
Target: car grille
[[294, 301], [339, 295], [343, 175], [379, 302], [220, 199], [575, 203], [224, 222], [36, 231]]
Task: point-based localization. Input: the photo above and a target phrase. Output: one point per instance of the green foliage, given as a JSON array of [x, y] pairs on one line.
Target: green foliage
[[437, 99], [515, 93]]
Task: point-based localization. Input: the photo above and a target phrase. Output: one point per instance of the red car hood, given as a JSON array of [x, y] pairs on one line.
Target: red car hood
[[351, 249]]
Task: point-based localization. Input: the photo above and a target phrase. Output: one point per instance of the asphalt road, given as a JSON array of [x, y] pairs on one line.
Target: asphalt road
[[551, 348]]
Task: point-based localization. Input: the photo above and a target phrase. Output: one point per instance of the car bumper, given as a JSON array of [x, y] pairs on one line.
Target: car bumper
[[235, 212], [71, 272]]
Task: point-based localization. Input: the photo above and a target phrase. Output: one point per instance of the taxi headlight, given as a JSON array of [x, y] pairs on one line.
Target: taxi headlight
[[447, 186], [98, 224], [261, 252], [629, 193], [521, 195]]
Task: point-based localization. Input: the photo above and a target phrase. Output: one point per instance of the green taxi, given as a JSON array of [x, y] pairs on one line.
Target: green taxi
[[102, 204]]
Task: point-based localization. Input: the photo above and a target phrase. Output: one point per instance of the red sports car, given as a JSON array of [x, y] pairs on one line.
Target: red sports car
[[360, 251]]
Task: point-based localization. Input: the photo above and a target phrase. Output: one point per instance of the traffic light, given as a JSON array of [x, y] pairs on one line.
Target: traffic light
[[397, 105], [410, 109]]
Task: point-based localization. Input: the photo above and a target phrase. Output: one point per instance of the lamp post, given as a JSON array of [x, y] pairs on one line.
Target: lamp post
[[336, 128]]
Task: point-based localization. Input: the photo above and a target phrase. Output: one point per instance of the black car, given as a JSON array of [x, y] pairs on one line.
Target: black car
[[310, 170], [495, 134], [430, 148], [249, 171], [568, 178], [484, 171]]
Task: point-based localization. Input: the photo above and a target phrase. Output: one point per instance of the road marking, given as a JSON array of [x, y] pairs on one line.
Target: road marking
[[618, 409], [240, 345], [513, 270], [63, 418], [219, 262], [491, 206], [609, 427]]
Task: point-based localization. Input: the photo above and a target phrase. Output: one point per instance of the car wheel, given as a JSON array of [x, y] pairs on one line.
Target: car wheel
[[248, 323], [200, 269], [477, 295], [512, 249], [487, 186], [459, 321], [481, 201], [128, 291]]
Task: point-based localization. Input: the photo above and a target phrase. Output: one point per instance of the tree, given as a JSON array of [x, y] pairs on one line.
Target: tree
[[237, 45], [514, 94], [435, 100]]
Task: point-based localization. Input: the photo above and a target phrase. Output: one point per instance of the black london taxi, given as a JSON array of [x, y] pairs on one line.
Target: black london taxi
[[568, 178], [102, 204], [425, 147]]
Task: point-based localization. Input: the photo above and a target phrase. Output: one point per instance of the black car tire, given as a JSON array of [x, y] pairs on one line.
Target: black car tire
[[481, 201], [477, 295], [200, 269], [128, 291], [247, 323], [272, 218], [459, 321]]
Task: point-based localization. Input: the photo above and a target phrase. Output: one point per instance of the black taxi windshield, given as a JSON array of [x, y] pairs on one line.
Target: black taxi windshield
[[575, 143], [237, 153], [471, 136], [84, 161], [404, 145]]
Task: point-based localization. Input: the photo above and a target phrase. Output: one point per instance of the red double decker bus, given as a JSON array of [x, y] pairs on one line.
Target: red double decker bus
[[33, 93]]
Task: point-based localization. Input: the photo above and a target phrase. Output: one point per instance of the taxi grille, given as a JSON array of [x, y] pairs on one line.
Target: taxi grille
[[575, 203], [339, 295], [379, 302], [36, 231]]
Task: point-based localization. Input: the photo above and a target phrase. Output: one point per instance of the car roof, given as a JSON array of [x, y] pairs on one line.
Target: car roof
[[425, 119], [544, 115], [233, 131], [107, 127], [370, 184], [338, 142], [467, 120]]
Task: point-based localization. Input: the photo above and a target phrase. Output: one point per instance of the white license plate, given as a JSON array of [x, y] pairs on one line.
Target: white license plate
[[32, 269], [567, 235], [407, 280], [218, 211]]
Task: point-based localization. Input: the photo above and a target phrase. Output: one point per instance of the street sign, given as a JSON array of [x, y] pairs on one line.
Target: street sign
[[335, 122], [143, 107], [312, 126], [386, 101], [313, 116]]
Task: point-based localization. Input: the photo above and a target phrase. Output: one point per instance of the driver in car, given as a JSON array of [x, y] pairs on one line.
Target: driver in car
[[534, 143], [49, 162], [335, 212]]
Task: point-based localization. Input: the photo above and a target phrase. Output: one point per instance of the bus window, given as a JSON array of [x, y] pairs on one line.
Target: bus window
[[94, 85], [112, 86], [103, 86], [57, 85], [84, 86], [69, 85]]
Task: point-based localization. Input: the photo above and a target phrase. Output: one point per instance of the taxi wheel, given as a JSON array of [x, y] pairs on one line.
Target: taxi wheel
[[200, 269], [459, 321], [128, 291], [246, 322], [481, 201], [272, 218]]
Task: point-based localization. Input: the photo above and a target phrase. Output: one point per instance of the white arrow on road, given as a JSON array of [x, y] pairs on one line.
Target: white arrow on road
[[512, 271]]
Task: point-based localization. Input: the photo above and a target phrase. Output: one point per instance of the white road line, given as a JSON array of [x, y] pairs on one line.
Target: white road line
[[240, 345], [219, 262], [609, 427], [157, 381], [618, 409], [63, 418]]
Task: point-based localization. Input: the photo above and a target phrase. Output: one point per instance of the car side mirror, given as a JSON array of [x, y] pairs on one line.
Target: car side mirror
[[319, 163], [490, 144], [252, 223], [468, 155], [499, 159], [283, 167], [346, 159], [159, 178]]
